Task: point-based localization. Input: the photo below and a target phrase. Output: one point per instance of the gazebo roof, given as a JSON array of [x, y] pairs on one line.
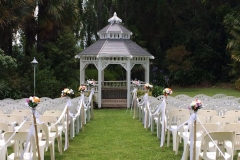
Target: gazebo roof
[[116, 28], [115, 48], [115, 42]]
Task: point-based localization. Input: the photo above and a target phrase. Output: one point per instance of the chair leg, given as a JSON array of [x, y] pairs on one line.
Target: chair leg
[[52, 153], [152, 124], [60, 144], [168, 138]]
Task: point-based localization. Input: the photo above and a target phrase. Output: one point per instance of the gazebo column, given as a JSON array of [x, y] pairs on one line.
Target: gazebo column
[[100, 82], [147, 70], [102, 77], [82, 72], [128, 82]]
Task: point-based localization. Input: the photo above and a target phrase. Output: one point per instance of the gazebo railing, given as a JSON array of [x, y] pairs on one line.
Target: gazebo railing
[[114, 84]]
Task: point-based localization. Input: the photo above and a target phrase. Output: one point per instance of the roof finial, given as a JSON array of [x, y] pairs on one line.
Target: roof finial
[[114, 19]]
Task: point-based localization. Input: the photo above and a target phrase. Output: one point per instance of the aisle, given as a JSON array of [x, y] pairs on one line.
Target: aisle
[[115, 135]]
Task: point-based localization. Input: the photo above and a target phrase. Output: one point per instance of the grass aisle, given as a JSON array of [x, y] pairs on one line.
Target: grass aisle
[[115, 135]]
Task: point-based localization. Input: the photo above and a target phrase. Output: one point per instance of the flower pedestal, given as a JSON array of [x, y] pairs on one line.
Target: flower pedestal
[[36, 132], [194, 150], [67, 128], [146, 110], [194, 106], [195, 136], [82, 113], [90, 112], [134, 102]]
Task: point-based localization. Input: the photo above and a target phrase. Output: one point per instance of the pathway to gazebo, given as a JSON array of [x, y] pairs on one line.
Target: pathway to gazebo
[[114, 134]]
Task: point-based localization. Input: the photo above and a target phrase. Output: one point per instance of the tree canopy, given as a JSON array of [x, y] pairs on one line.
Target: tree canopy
[[193, 42]]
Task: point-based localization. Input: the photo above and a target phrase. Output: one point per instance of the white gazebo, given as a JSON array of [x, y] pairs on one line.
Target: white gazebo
[[114, 47]]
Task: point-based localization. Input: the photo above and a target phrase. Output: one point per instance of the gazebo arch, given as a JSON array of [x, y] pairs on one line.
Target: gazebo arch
[[114, 47]]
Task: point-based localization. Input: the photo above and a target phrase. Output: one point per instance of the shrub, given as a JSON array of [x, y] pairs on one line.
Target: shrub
[[237, 84], [157, 91]]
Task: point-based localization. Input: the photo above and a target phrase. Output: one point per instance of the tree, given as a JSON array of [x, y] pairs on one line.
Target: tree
[[232, 23], [13, 15]]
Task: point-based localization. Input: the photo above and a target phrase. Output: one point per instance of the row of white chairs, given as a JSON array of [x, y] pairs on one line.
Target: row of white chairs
[[50, 111], [177, 109]]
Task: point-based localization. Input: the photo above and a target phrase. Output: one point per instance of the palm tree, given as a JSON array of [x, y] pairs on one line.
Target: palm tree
[[13, 15], [53, 16], [232, 23]]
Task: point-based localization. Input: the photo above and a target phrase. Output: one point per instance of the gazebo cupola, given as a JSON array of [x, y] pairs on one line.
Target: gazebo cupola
[[114, 30], [114, 46]]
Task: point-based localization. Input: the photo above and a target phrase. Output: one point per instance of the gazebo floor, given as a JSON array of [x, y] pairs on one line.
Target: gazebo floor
[[114, 103]]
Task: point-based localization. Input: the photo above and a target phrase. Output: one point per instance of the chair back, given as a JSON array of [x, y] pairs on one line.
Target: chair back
[[24, 113], [219, 138], [51, 120], [234, 113], [207, 114], [45, 132], [175, 115], [26, 126], [19, 139], [234, 127], [222, 121]]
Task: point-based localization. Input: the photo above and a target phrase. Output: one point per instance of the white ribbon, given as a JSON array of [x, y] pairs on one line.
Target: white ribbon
[[68, 104], [14, 133], [90, 97], [212, 140], [146, 108], [163, 118], [162, 108], [31, 132], [87, 106], [133, 97], [190, 122]]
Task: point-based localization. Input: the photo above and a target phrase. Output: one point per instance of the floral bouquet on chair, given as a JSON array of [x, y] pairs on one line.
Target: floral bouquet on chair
[[32, 101], [167, 91], [82, 88], [91, 82], [196, 105], [148, 86], [66, 92], [136, 83]]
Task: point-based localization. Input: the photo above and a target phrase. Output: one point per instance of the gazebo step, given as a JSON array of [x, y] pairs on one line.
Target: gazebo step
[[114, 103]]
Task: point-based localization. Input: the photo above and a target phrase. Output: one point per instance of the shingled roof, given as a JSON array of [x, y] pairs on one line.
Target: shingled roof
[[114, 42]]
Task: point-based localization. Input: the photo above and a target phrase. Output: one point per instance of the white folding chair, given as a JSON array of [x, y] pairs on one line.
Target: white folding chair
[[172, 123], [19, 139], [219, 138]]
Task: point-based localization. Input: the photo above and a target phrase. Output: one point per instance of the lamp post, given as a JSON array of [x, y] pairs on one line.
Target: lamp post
[[34, 64]]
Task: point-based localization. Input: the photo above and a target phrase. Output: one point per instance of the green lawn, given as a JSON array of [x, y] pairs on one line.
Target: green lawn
[[207, 91], [114, 135]]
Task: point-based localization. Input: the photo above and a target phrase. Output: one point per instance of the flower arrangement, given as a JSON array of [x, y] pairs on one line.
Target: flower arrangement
[[33, 101], [148, 86], [91, 82], [196, 105], [136, 82], [167, 91], [66, 92], [82, 88]]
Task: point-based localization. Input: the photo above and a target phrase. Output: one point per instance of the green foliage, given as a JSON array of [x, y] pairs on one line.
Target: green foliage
[[47, 84], [237, 84], [195, 76], [6, 63], [176, 58], [160, 77], [91, 74], [202, 27], [157, 91], [232, 24]]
